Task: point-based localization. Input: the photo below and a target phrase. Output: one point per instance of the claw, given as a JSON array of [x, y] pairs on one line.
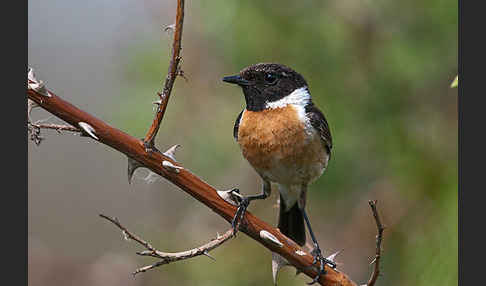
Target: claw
[[316, 252], [240, 213], [243, 204]]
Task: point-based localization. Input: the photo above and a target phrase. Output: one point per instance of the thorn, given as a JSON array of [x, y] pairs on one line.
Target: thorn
[[300, 252], [169, 28], [228, 196], [373, 261], [132, 166], [171, 167], [125, 235], [171, 152], [205, 252], [30, 105], [267, 236], [157, 102], [35, 84], [88, 129], [278, 262], [333, 256]]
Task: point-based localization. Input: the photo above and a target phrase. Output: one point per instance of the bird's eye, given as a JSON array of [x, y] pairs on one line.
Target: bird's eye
[[270, 78]]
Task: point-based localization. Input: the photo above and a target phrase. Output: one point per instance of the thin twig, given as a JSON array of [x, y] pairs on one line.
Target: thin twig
[[174, 71], [379, 238], [57, 127], [35, 128], [168, 257]]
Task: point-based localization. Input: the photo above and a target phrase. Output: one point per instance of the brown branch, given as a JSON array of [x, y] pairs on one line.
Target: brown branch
[[188, 182], [174, 71], [168, 257], [379, 238]]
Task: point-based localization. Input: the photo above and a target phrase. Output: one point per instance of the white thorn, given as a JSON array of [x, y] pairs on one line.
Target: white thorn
[[125, 235], [88, 129], [30, 105], [169, 28], [171, 152], [157, 102], [35, 84], [277, 263], [228, 197], [300, 252], [373, 261], [333, 256], [171, 167], [270, 238], [132, 166], [205, 252]]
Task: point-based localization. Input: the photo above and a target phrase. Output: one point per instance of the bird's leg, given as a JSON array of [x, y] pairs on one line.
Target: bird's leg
[[316, 252], [244, 202]]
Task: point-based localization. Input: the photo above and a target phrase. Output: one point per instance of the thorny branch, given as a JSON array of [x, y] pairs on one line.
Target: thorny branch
[[379, 238], [57, 127], [167, 257], [35, 128], [144, 154], [169, 169], [174, 71]]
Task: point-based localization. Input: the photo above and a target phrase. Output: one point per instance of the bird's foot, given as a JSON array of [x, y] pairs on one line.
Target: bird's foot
[[243, 203], [316, 253]]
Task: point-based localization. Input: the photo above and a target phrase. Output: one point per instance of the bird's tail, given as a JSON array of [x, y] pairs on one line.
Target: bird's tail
[[291, 222]]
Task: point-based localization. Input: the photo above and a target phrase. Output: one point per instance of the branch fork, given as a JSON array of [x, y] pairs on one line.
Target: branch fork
[[167, 257]]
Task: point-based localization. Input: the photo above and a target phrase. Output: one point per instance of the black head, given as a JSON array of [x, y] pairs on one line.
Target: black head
[[266, 82]]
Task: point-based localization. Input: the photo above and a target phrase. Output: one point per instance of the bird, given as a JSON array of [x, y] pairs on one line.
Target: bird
[[286, 139]]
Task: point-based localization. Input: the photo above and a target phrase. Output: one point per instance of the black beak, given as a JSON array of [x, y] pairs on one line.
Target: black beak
[[235, 79]]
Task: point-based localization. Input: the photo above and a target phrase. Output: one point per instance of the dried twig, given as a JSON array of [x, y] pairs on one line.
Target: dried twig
[[166, 256], [174, 71], [379, 238], [35, 128], [57, 127]]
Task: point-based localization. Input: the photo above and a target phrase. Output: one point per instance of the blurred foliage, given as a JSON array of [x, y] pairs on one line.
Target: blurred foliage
[[379, 71]]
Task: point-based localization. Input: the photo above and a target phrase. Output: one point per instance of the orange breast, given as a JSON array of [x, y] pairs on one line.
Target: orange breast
[[277, 145]]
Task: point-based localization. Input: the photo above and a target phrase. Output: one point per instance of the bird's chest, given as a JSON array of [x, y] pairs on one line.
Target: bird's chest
[[280, 144]]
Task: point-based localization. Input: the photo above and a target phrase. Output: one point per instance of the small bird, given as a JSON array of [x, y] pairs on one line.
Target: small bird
[[287, 140]]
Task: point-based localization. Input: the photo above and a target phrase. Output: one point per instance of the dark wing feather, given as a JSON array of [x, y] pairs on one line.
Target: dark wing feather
[[237, 124], [319, 122]]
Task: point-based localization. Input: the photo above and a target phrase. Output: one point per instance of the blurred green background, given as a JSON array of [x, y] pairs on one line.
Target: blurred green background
[[379, 70]]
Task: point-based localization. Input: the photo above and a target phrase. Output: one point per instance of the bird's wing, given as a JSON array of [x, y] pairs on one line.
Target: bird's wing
[[319, 122], [237, 125]]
